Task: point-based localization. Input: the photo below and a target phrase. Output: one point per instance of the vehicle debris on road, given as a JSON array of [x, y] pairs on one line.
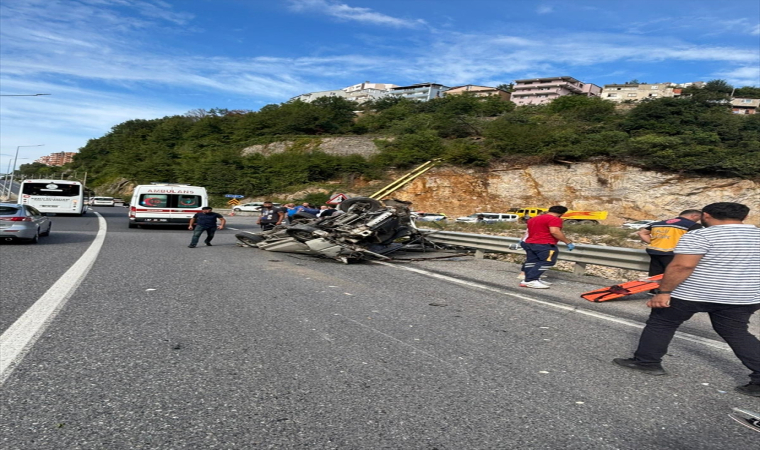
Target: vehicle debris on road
[[369, 229]]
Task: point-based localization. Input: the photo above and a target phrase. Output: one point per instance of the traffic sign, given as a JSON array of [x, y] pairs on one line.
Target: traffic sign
[[234, 201], [234, 196], [337, 198]]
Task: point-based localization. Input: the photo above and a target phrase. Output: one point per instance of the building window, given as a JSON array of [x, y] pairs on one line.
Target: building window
[[746, 100], [612, 95], [632, 95], [655, 87]]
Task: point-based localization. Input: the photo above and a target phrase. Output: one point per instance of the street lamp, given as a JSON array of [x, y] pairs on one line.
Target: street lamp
[[5, 192], [13, 174]]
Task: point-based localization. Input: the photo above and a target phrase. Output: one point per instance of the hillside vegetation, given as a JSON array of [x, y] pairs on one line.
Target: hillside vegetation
[[695, 135]]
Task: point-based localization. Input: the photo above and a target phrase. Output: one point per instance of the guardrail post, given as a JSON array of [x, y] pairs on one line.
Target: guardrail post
[[579, 268], [480, 254]]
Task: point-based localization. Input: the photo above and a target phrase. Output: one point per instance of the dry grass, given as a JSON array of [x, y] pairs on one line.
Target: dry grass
[[584, 234]]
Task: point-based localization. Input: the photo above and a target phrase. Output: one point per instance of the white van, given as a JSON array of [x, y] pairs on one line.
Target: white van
[[489, 218], [102, 201], [165, 204]]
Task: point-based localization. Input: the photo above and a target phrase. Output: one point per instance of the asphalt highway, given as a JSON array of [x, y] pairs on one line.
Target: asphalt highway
[[165, 347]]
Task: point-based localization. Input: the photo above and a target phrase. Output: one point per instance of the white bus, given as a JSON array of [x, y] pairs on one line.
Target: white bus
[[53, 196]]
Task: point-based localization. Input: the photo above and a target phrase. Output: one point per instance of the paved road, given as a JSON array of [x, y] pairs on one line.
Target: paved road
[[165, 347]]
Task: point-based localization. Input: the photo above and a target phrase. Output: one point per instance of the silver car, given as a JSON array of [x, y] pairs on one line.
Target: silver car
[[638, 224], [22, 222]]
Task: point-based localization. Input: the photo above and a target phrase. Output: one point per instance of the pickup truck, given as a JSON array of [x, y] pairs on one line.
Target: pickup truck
[[570, 217]]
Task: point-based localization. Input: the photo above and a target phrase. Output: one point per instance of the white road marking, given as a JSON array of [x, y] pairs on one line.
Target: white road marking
[[19, 338], [568, 308]]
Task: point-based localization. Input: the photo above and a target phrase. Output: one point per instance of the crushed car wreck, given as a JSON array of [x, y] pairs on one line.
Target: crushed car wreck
[[368, 229]]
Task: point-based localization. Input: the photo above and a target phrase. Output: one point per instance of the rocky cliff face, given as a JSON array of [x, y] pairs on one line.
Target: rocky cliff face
[[628, 193]]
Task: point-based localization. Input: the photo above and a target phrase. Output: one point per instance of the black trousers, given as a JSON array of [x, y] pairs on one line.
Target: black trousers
[[658, 263], [731, 322]]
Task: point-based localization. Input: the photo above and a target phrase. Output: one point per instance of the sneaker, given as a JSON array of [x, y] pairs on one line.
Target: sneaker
[[749, 389], [534, 285], [540, 281], [630, 363], [190, 246], [208, 244]]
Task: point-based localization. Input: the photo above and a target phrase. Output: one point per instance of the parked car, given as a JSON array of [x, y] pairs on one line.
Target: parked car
[[251, 207], [102, 201], [637, 224], [488, 218], [428, 217], [22, 222]]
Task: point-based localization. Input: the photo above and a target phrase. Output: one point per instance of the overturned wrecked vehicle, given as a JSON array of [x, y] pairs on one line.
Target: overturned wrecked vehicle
[[368, 229]]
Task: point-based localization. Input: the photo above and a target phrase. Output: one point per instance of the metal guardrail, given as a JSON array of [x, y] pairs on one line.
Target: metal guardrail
[[623, 258]]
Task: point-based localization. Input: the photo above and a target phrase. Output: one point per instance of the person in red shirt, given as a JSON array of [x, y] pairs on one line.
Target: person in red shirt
[[540, 246]]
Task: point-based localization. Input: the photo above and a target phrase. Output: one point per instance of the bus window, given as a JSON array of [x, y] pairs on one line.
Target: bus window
[[51, 189]]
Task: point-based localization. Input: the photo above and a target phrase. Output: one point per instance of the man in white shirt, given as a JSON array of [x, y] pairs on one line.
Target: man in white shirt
[[715, 270]]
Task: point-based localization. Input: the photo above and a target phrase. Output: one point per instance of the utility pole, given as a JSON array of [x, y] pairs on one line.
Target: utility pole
[[15, 159]]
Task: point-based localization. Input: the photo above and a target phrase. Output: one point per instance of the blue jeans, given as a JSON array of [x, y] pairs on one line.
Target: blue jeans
[[538, 259], [731, 322], [198, 231]]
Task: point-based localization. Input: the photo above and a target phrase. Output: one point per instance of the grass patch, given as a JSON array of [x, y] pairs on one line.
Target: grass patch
[[580, 233]]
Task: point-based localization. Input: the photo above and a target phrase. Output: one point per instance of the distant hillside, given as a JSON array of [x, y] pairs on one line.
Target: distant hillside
[[217, 148]]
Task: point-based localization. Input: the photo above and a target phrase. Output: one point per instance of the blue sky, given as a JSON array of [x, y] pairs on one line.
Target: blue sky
[[108, 61]]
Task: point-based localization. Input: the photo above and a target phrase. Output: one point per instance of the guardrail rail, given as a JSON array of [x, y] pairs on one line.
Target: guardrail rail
[[622, 258]]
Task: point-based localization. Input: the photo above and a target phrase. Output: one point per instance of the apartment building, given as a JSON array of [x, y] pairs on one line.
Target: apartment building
[[619, 93], [57, 159], [745, 105], [311, 96], [422, 91], [478, 91], [539, 91], [368, 85], [359, 93]]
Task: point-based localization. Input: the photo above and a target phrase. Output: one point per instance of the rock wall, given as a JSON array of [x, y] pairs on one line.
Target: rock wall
[[628, 193], [341, 146]]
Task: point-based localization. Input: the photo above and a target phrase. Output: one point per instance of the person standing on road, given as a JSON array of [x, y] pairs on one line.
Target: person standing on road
[[205, 221], [540, 246], [662, 238], [271, 216], [715, 270]]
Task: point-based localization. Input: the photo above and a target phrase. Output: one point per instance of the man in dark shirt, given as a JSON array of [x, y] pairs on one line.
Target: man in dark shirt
[[205, 221], [271, 216]]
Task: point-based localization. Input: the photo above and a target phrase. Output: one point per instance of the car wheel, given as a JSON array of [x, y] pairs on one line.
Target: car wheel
[[47, 233], [249, 239], [237, 210], [132, 225], [36, 238], [301, 232], [362, 204]]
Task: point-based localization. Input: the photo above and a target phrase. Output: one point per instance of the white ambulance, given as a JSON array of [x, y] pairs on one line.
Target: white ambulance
[[165, 204]]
